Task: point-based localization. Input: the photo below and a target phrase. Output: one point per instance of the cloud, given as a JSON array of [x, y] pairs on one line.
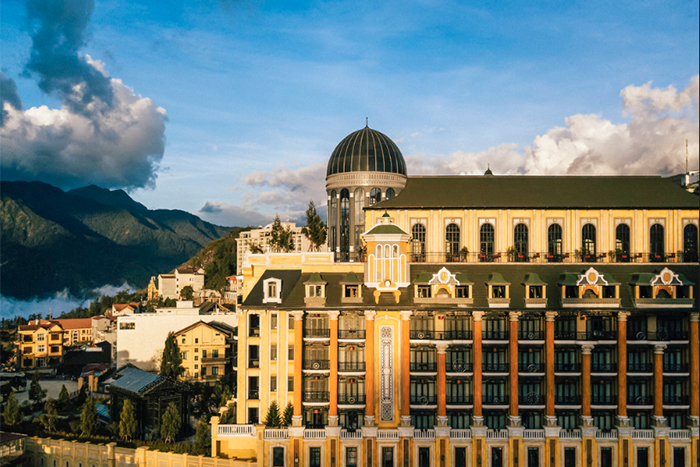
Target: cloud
[[233, 215], [103, 134], [8, 94], [291, 188]]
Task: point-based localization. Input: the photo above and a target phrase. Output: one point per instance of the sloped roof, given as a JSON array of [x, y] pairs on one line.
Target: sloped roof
[[135, 380], [74, 323]]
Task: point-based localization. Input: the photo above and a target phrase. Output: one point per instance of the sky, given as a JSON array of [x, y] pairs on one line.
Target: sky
[[230, 110]]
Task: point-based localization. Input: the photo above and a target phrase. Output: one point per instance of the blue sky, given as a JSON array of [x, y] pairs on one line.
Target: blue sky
[[257, 95]]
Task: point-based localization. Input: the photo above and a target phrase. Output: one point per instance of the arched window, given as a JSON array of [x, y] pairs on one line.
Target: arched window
[[359, 216], [588, 244], [622, 243], [333, 219], [375, 196], [452, 242], [520, 237], [390, 193], [418, 242], [486, 237], [690, 244], [656, 243], [344, 222], [554, 243]]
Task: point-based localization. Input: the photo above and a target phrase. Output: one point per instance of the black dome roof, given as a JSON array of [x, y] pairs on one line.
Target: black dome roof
[[366, 150]]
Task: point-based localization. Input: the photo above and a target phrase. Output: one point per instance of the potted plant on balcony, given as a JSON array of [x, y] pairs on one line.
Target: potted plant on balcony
[[464, 253], [511, 252]]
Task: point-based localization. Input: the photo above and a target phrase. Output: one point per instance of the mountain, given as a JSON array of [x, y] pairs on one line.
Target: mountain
[[89, 237]]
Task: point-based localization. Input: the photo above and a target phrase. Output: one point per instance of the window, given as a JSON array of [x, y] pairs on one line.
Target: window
[[350, 457], [290, 353], [204, 353], [496, 457], [569, 457], [215, 353], [690, 244], [272, 289], [460, 457], [253, 415], [333, 219], [422, 291], [498, 291], [214, 371], [418, 242], [462, 291], [533, 457], [387, 457], [656, 243], [622, 243], [344, 220], [41, 348], [678, 457], [273, 352], [204, 371], [390, 193], [273, 321], [352, 291], [196, 341], [273, 383], [290, 322], [278, 457], [40, 337], [315, 457], [359, 215], [588, 243], [606, 457], [486, 237], [290, 383], [423, 457], [520, 237], [554, 243], [314, 291], [183, 339], [452, 242], [127, 326], [375, 196]]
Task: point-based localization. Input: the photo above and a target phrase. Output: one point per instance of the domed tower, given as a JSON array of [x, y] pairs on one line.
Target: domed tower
[[364, 169]]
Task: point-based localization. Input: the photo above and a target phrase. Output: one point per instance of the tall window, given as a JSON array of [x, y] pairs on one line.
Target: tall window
[[656, 243], [390, 193], [375, 196], [333, 219], [622, 243], [418, 242], [520, 237], [452, 242], [588, 244], [486, 236], [690, 244], [359, 216], [344, 221], [554, 243]]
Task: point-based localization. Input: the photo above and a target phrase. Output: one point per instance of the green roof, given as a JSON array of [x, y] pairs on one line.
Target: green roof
[[462, 278], [386, 229], [568, 279], [685, 280], [644, 278], [610, 279], [314, 277], [423, 278], [539, 192], [351, 277], [497, 279], [533, 279]]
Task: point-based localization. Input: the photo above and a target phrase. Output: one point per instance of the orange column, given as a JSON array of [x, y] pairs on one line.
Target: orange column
[[333, 383], [659, 384], [622, 364], [405, 368], [369, 371], [694, 369], [586, 350], [478, 416], [442, 384], [298, 375], [514, 315], [549, 344]]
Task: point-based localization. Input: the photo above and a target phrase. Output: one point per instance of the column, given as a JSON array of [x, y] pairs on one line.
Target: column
[[659, 385], [550, 415], [441, 384], [369, 370], [298, 364], [694, 370], [514, 417], [622, 368], [586, 350], [478, 416], [405, 368], [333, 383]]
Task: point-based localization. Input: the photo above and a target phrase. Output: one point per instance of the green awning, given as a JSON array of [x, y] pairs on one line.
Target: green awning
[[533, 279], [643, 278], [610, 279], [315, 278], [462, 279], [386, 229], [423, 278], [352, 278], [568, 279], [685, 280], [496, 279]]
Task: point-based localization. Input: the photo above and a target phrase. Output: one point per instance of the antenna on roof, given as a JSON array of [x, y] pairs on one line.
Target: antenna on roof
[[367, 124]]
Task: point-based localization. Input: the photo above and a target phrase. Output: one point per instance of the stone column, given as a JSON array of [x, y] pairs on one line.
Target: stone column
[[659, 385], [586, 350], [478, 415], [333, 383], [514, 416], [297, 418], [622, 418], [369, 370], [405, 368], [550, 415], [441, 384], [694, 371]]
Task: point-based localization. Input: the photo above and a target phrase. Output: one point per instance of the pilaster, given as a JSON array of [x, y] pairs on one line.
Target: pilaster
[[369, 370], [513, 334], [478, 418]]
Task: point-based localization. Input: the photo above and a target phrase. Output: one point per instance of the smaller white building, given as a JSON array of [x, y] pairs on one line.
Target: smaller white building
[[260, 237], [170, 285]]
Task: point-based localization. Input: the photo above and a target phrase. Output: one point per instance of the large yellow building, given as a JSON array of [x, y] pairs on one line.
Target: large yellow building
[[39, 344], [207, 351], [475, 321]]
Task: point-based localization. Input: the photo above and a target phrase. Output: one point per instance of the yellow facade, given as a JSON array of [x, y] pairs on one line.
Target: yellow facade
[[206, 350], [39, 345]]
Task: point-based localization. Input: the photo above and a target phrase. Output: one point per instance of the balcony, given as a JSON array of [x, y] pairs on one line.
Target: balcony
[[460, 399], [351, 399], [565, 335], [462, 334], [427, 367], [676, 368], [253, 363], [499, 399], [351, 334], [567, 399], [530, 335], [531, 399], [567, 367], [524, 367], [459, 366], [217, 359], [590, 302], [317, 333], [666, 335], [597, 335], [253, 394], [640, 400], [664, 302], [421, 334], [320, 365], [423, 399], [672, 399], [494, 335], [254, 332], [640, 367], [603, 400], [552, 257], [351, 366], [604, 368], [317, 396], [495, 368]]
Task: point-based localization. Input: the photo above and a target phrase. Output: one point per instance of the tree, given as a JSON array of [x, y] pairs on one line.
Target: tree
[[170, 424], [12, 413], [171, 363], [315, 229], [63, 397], [36, 393], [50, 417], [88, 418], [255, 249], [187, 293], [225, 396], [201, 436], [127, 421], [281, 239], [287, 415], [273, 416]]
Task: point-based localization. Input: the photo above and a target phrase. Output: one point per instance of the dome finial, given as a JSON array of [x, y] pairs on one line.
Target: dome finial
[[488, 170], [366, 122]]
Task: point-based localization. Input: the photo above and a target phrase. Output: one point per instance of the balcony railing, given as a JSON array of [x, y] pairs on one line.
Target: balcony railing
[[640, 367], [316, 364], [676, 368], [604, 368], [524, 367], [459, 366], [253, 363], [640, 400], [567, 367], [499, 399], [672, 399], [495, 335], [567, 399], [666, 335], [351, 334], [317, 396], [317, 333], [423, 399], [421, 334], [565, 335], [351, 399], [351, 366], [603, 400], [460, 399], [495, 367], [253, 394], [530, 335], [461, 334], [254, 332], [217, 359], [423, 366], [550, 257], [531, 399]]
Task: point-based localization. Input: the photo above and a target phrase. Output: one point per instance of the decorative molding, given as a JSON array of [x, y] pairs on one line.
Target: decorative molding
[[386, 373]]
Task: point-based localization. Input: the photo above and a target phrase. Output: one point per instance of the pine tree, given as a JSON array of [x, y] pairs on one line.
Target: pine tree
[[50, 418], [63, 396], [225, 396], [201, 436], [315, 229], [88, 418], [36, 393], [273, 416], [170, 424], [287, 415], [127, 421], [171, 363], [12, 413], [276, 235]]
